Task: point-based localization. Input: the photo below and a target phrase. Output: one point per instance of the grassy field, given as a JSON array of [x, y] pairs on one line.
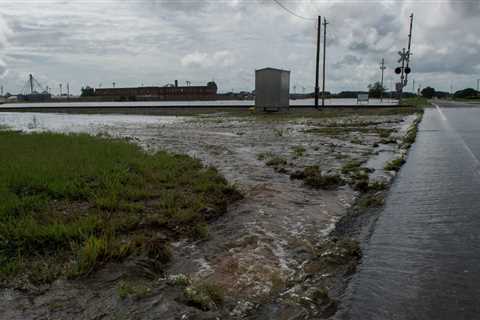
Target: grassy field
[[418, 102], [71, 203]]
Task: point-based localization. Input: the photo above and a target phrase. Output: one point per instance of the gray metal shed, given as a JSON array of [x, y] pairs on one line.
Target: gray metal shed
[[272, 89]]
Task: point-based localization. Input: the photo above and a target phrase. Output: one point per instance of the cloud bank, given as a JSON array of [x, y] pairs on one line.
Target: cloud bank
[[155, 42]]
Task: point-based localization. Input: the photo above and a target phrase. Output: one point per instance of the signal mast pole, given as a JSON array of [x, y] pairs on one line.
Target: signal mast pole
[[404, 70], [409, 46]]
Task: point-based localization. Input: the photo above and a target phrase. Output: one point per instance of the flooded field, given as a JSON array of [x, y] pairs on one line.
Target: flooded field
[[269, 253], [210, 103]]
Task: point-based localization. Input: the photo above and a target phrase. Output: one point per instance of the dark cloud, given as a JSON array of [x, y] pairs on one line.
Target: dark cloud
[[348, 60], [466, 8], [155, 41]]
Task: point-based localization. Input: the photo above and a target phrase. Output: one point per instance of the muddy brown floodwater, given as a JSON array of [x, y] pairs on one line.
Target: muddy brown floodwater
[[262, 252]]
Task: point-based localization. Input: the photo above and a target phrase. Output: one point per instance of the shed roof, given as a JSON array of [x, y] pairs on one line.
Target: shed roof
[[272, 69]]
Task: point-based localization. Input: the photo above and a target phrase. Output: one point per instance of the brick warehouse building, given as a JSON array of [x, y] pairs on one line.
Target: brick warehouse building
[[171, 92]]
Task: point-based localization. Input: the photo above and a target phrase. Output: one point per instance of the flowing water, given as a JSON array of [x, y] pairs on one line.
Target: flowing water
[[423, 258], [261, 245]]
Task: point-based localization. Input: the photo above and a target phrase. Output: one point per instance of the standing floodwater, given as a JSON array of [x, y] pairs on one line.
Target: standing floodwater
[[423, 259]]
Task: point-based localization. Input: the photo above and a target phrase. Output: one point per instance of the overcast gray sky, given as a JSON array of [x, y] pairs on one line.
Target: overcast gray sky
[[154, 42]]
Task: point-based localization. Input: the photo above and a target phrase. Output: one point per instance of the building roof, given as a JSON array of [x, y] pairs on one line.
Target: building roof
[[272, 69]]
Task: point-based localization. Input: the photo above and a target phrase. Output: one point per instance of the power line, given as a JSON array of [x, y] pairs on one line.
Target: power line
[[291, 11]]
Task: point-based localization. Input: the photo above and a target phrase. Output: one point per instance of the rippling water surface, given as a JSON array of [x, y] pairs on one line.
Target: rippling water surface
[[211, 103], [423, 258]]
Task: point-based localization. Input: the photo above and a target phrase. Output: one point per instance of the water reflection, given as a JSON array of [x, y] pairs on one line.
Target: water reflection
[[68, 123]]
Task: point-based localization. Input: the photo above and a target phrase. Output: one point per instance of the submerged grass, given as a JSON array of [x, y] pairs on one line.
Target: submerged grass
[[313, 177], [75, 202]]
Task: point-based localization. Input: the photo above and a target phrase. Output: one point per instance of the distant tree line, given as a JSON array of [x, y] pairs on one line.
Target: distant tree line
[[468, 93]]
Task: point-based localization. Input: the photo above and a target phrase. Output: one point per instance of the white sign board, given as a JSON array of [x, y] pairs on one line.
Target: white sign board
[[362, 97]]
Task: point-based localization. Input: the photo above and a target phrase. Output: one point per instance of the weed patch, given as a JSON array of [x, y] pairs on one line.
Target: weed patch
[[205, 296], [371, 201], [312, 177], [298, 151], [395, 164]]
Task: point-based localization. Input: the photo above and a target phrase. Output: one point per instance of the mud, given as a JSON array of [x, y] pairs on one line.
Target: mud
[[272, 256]]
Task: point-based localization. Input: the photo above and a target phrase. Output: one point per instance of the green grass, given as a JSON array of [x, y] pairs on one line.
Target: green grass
[[416, 102], [205, 295], [351, 166], [298, 151], [134, 290], [370, 201], [276, 161], [71, 203], [264, 156], [313, 177], [411, 135], [395, 164], [301, 113]]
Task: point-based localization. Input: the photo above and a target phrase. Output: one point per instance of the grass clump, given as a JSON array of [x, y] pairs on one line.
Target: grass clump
[[133, 290], [76, 202], [384, 133], [298, 151], [180, 280], [276, 162], [312, 177], [339, 252], [377, 186], [204, 296], [351, 166], [371, 201], [264, 155], [395, 164], [411, 135]]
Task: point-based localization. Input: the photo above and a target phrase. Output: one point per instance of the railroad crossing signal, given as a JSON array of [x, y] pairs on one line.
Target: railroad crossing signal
[[403, 55]]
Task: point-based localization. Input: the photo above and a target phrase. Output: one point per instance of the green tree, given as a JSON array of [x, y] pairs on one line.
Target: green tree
[[376, 90], [88, 92], [468, 93], [428, 92]]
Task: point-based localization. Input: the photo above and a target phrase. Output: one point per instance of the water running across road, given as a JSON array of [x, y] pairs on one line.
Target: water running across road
[[423, 258]]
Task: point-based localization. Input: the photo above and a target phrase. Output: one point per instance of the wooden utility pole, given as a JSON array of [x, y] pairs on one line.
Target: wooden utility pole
[[382, 67], [317, 71], [324, 55], [30, 77]]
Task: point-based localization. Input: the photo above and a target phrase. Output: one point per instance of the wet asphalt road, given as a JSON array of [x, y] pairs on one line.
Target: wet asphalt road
[[423, 258]]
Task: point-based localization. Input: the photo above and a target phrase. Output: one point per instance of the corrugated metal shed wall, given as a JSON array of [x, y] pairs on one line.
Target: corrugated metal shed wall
[[272, 88]]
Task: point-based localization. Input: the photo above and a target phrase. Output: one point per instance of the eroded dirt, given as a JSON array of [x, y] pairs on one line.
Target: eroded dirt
[[268, 254]]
